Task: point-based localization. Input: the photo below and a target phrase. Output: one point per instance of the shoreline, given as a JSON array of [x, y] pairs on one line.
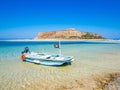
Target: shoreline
[[66, 40], [60, 40]]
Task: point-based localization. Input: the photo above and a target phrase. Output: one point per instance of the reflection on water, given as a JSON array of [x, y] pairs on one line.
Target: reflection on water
[[89, 59]]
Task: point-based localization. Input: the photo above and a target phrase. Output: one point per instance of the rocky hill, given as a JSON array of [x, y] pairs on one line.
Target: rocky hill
[[67, 34]]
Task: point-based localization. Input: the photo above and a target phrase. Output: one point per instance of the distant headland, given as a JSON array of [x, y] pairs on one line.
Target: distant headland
[[69, 34]]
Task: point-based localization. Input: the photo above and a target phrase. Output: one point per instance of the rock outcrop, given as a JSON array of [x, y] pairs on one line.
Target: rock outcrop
[[67, 34]]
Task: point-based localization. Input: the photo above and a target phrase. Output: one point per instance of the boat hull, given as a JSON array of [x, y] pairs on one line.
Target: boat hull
[[51, 61], [48, 62]]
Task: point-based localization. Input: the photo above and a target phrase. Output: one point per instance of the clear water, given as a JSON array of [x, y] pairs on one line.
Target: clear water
[[90, 58]]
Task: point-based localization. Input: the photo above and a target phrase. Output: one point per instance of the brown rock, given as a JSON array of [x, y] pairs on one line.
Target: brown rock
[[67, 34]]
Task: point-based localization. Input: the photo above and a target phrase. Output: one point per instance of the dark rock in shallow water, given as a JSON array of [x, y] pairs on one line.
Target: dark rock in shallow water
[[113, 85]]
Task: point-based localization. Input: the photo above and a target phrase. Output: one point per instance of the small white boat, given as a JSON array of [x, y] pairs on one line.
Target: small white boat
[[47, 59]]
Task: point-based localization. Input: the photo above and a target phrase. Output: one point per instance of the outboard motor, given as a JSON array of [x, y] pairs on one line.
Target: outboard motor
[[23, 56], [26, 50]]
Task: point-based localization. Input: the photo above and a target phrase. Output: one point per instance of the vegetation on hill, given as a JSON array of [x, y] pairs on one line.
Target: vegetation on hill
[[91, 36], [87, 36]]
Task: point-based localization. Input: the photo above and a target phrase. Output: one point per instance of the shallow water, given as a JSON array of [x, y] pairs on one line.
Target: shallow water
[[90, 58]]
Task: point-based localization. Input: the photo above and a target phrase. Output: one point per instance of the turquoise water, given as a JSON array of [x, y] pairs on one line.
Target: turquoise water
[[90, 58]]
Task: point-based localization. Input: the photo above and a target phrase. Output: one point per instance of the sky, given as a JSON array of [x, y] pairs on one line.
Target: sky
[[25, 18]]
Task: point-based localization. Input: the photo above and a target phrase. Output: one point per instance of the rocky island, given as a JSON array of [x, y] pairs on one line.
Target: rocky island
[[69, 34]]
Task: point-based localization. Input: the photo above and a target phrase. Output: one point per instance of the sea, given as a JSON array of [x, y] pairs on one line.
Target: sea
[[90, 57]]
